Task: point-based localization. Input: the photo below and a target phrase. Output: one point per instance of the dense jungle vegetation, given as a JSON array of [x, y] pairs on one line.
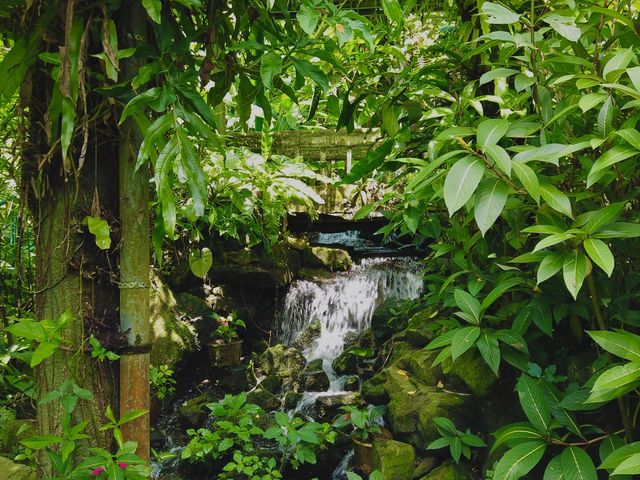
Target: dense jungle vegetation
[[505, 141]]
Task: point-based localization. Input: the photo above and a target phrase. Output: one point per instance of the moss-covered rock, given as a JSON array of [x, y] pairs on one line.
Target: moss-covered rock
[[263, 398], [351, 383], [333, 259], [386, 321], [395, 460], [291, 400], [15, 471], [472, 371], [328, 406], [419, 365], [172, 334], [314, 378], [308, 336], [411, 413], [194, 412], [421, 328], [449, 471], [346, 363], [286, 363]]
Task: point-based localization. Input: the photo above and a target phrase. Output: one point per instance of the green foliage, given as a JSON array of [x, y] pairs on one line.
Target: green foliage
[[99, 352], [162, 381], [459, 443], [227, 330], [364, 422], [236, 435]]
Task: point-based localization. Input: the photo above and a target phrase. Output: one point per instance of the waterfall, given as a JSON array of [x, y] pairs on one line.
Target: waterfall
[[345, 304]]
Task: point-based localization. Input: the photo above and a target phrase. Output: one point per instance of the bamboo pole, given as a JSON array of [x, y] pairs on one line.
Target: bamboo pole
[[134, 256]]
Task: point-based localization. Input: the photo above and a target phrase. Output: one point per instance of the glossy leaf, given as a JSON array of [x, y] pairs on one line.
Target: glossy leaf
[[490, 200], [461, 182], [574, 270], [519, 461], [600, 253]]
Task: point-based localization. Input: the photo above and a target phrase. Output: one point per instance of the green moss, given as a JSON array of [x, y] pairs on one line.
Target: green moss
[[449, 471], [395, 460], [472, 371]]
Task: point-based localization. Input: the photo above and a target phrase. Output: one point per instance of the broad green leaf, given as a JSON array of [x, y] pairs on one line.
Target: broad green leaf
[[196, 179], [631, 136], [519, 461], [499, 15], [309, 70], [553, 240], [565, 26], [497, 73], [393, 10], [549, 266], [605, 117], [622, 344], [491, 131], [154, 9], [28, 329], [499, 156], [556, 199], [544, 229], [634, 76], [600, 254], [629, 466], [38, 442], [528, 178], [467, 303], [610, 157], [270, 66], [463, 340], [619, 230], [490, 350], [554, 400], [619, 455], [603, 217], [462, 180], [549, 153], [574, 270], [616, 377], [308, 17], [577, 465], [514, 434], [200, 261], [100, 229], [502, 287], [390, 115], [554, 469], [619, 61], [533, 402], [42, 352], [137, 103], [491, 198], [591, 100]]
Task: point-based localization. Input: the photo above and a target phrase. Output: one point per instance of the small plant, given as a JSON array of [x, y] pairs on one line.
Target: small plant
[[459, 443], [99, 352], [228, 327], [375, 475], [162, 381], [365, 422]]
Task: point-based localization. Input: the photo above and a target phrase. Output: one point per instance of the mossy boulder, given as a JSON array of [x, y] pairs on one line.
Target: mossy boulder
[[308, 336], [264, 399], [234, 378], [314, 378], [328, 406], [346, 363], [395, 460], [386, 320], [194, 412], [286, 363], [351, 383], [411, 413], [449, 471], [172, 334], [333, 259], [15, 471], [471, 371], [421, 328], [419, 365]]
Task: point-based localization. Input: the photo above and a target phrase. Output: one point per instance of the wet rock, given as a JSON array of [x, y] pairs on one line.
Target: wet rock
[[362, 341], [234, 378], [327, 407], [411, 413], [308, 336], [314, 274], [172, 335], [272, 383], [333, 259], [263, 398], [395, 460], [449, 471], [15, 471], [387, 320], [424, 466], [291, 400], [314, 381], [194, 412], [346, 363], [472, 371], [286, 363], [351, 383], [421, 328]]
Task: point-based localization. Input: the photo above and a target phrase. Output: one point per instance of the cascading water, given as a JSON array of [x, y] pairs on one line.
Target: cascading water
[[344, 304]]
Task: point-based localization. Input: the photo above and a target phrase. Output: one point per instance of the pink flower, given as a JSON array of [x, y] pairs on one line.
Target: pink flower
[[122, 465], [97, 471]]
